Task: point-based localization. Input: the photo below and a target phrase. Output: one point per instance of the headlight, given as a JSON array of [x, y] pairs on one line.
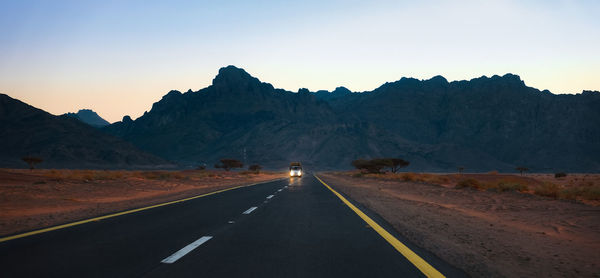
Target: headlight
[[291, 173]]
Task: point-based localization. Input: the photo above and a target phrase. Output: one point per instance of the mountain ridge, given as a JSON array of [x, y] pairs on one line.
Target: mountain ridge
[[482, 124]]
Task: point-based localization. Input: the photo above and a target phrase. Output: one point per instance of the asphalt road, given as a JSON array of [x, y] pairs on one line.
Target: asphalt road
[[298, 228]]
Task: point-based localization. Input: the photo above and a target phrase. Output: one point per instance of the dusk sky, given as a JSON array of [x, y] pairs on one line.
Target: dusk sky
[[119, 57]]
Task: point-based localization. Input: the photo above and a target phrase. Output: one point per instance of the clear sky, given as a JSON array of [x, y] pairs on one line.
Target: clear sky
[[119, 57]]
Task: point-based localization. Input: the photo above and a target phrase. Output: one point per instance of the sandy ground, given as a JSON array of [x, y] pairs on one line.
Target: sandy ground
[[488, 234], [40, 198]]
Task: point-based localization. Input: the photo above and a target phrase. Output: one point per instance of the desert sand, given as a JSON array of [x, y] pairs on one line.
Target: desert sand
[[488, 234]]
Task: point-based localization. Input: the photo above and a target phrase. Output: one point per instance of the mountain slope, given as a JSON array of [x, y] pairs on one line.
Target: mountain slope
[[89, 117], [498, 116], [236, 112], [62, 141], [484, 124]]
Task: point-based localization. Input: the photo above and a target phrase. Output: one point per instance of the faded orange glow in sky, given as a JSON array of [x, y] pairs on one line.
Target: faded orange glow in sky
[[119, 57]]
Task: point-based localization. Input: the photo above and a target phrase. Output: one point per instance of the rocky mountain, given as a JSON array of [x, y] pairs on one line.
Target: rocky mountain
[[236, 112], [89, 117], [62, 141], [484, 124], [488, 123]]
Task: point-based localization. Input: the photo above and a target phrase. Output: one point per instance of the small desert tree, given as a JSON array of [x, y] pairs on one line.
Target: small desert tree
[[560, 175], [228, 164], [460, 169], [32, 161], [396, 163], [370, 166], [522, 169], [379, 164], [255, 168]]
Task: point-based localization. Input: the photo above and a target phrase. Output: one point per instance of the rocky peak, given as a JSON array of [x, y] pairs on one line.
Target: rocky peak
[[303, 91], [233, 81], [171, 94], [590, 93], [89, 117], [438, 79], [341, 90], [509, 79], [232, 75]]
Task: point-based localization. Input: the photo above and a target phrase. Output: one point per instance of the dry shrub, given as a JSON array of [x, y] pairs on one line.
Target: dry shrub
[[585, 192], [115, 175], [162, 175], [469, 183], [505, 185], [357, 175], [560, 175], [54, 175], [408, 176], [511, 186], [591, 193], [88, 175], [547, 189], [199, 174], [246, 173], [433, 178], [96, 175], [85, 175], [444, 179], [570, 193]]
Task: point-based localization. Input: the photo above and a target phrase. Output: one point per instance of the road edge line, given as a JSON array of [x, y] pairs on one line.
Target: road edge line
[[76, 223], [411, 256]]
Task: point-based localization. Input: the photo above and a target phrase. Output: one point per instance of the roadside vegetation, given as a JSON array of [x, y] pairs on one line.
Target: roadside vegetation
[[111, 175], [576, 187], [376, 165], [503, 185], [255, 168], [32, 161], [228, 164], [94, 175]]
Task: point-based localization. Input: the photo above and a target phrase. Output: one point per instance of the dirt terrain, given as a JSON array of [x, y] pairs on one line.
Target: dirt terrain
[[32, 199], [486, 233]]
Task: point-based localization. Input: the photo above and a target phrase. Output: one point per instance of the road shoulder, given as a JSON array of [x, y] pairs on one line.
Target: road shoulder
[[432, 217]]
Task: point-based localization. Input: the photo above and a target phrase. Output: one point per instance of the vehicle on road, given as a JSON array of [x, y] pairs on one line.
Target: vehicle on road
[[295, 169]]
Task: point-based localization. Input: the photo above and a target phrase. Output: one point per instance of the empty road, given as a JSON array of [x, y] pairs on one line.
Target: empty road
[[288, 228]]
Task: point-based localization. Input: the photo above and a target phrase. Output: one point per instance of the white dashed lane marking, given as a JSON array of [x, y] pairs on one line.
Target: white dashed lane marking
[[250, 210], [177, 255]]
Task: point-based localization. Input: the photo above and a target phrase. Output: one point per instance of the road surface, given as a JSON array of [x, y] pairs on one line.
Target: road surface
[[288, 228]]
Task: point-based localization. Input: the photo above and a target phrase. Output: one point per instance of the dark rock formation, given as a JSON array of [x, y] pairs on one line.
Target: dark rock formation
[[62, 141], [483, 124]]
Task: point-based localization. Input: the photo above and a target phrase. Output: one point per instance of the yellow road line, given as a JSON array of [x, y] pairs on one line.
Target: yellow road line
[[121, 213], [421, 264]]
